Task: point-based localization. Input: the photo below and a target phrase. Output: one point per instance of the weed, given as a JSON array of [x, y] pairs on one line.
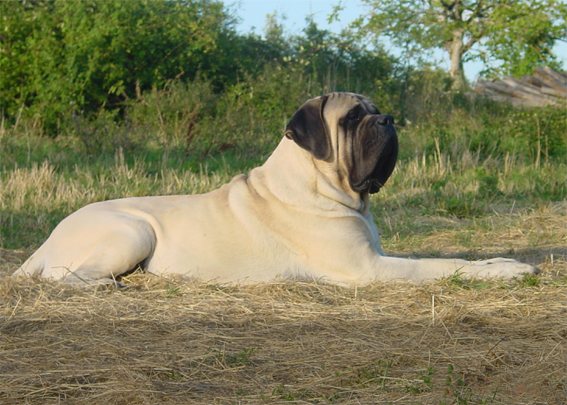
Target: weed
[[283, 393], [230, 360], [528, 280], [456, 387], [290, 393], [456, 279], [172, 291], [375, 374], [241, 358], [424, 382], [176, 375], [559, 282]]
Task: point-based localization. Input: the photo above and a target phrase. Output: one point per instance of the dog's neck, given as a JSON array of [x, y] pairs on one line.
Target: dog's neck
[[293, 176]]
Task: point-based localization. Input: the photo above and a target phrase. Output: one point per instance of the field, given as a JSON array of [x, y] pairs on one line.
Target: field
[[171, 341]]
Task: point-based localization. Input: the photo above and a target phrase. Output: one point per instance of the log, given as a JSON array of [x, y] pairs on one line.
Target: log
[[532, 80], [526, 88], [502, 88], [544, 87], [553, 92], [556, 76], [550, 82]]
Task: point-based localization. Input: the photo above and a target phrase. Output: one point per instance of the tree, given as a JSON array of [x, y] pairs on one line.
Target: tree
[[517, 33], [341, 61]]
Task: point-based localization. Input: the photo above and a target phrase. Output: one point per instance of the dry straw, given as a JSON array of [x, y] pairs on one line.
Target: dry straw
[[162, 341]]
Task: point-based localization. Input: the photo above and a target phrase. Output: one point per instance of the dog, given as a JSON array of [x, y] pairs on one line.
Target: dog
[[304, 214]]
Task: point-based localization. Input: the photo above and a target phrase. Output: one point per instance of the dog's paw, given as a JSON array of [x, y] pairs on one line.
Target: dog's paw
[[499, 267]]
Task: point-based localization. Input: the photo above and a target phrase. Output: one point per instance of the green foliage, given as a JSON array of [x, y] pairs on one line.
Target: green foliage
[[173, 115], [529, 280], [520, 36], [73, 67], [424, 382], [456, 123], [60, 57], [231, 360], [342, 63], [517, 35], [63, 62], [172, 291], [375, 374], [313, 63], [411, 24]]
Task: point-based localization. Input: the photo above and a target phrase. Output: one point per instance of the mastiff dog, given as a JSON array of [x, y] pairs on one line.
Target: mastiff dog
[[304, 214]]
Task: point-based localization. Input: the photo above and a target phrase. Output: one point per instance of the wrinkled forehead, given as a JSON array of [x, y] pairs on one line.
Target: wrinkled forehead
[[338, 103]]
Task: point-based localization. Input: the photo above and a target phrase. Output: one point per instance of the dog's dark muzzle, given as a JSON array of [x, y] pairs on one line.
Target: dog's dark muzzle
[[375, 151]]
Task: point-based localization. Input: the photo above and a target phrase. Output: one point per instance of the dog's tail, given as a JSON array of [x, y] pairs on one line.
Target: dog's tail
[[32, 267]]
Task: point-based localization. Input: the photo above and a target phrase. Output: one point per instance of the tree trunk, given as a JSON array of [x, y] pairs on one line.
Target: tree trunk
[[456, 48]]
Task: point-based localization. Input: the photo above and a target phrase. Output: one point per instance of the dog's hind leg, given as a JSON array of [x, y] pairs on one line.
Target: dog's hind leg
[[119, 251], [87, 249]]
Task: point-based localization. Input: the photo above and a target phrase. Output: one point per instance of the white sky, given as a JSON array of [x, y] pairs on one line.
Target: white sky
[[253, 18]]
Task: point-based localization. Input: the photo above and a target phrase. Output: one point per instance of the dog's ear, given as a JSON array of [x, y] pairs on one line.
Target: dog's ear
[[308, 129]]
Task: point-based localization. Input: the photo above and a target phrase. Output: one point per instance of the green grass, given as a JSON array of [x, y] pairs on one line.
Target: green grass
[[442, 180]]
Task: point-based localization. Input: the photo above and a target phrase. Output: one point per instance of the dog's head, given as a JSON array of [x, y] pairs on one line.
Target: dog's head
[[348, 129]]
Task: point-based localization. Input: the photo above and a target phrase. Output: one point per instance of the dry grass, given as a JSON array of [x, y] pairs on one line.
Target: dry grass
[[172, 342]]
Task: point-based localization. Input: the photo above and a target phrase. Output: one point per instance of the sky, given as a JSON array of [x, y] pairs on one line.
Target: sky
[[252, 14]]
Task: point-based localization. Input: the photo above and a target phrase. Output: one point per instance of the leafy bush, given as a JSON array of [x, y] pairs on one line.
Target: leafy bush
[[61, 57], [460, 123]]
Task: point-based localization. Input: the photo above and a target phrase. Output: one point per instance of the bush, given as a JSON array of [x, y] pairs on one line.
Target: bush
[[62, 57]]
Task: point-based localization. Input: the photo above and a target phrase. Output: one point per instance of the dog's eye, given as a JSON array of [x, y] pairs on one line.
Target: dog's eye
[[354, 115]]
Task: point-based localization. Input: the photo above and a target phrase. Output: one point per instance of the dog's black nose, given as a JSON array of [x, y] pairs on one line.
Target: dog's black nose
[[385, 119]]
